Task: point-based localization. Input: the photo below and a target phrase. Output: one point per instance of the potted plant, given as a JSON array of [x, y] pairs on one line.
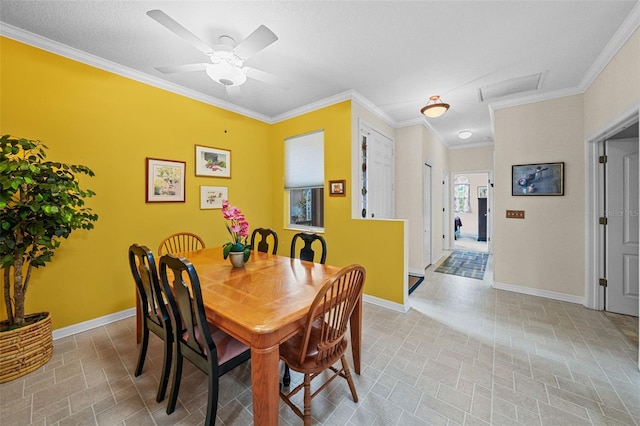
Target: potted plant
[[238, 228], [41, 203]]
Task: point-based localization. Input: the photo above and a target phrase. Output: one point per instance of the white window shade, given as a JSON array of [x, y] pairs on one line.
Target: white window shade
[[304, 161]]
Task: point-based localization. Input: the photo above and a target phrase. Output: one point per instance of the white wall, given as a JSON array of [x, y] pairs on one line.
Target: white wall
[[545, 251], [415, 146], [616, 90]]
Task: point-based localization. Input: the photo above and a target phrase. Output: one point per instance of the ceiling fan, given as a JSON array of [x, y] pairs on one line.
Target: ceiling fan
[[227, 58]]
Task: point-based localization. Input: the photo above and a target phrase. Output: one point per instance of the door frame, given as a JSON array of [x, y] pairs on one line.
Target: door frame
[[594, 238], [427, 209], [451, 179]]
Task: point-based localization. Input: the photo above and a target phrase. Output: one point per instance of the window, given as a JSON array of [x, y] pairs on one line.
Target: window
[[461, 195], [304, 180]]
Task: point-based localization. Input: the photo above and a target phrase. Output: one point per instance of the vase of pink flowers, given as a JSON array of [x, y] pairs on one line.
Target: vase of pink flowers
[[237, 249]]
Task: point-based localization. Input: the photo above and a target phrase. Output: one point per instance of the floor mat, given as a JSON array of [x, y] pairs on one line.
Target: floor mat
[[469, 264]]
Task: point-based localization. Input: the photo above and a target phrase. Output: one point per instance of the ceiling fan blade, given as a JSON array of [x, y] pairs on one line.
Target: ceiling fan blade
[[172, 69], [255, 42], [173, 26], [263, 76]]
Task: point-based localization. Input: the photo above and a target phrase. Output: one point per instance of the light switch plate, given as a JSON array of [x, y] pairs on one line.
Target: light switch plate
[[515, 214]]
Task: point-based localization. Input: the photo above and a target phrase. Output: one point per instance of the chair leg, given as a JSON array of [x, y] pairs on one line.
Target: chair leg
[[307, 399], [143, 350], [175, 383], [212, 398], [286, 377], [347, 375], [166, 367]]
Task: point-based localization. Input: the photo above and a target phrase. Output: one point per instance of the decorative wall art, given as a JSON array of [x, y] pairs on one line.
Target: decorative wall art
[[213, 162], [165, 181], [211, 196], [537, 179], [337, 188]]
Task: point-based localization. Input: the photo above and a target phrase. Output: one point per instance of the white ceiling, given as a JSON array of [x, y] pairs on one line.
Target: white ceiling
[[393, 54]]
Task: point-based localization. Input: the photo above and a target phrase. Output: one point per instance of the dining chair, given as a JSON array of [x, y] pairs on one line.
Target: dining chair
[[180, 242], [306, 252], [263, 244], [322, 342], [155, 313], [207, 347]]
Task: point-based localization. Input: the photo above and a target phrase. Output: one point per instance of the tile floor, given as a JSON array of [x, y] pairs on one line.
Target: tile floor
[[470, 242], [464, 354]]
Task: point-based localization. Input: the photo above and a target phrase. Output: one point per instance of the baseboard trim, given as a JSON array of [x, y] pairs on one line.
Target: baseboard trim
[[386, 304], [94, 323], [108, 319], [416, 272], [563, 297]]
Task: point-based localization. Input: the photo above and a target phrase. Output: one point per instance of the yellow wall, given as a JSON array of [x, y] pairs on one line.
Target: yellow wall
[[377, 245], [111, 124]]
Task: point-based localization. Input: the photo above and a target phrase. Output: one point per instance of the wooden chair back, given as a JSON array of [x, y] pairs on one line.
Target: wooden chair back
[[306, 252], [210, 349], [263, 244], [155, 314], [180, 242], [329, 316]]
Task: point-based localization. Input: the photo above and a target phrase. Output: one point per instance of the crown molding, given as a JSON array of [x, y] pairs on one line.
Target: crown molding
[[621, 36], [43, 43], [349, 95]]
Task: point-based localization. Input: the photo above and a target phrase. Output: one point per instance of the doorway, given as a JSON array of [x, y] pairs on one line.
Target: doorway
[[470, 212]]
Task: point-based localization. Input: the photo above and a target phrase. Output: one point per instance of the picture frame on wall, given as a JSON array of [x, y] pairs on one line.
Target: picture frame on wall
[[165, 181], [337, 188], [482, 192], [214, 162], [211, 196], [537, 179]]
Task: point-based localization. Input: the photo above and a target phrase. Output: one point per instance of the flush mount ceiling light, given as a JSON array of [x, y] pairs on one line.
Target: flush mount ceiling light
[[465, 134], [435, 107]]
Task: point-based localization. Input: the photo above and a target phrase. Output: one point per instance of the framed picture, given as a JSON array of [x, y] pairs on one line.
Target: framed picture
[[213, 162], [337, 188], [165, 181], [211, 196], [537, 179], [482, 192]]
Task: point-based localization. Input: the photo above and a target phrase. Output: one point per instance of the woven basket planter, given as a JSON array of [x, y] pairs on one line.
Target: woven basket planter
[[25, 349]]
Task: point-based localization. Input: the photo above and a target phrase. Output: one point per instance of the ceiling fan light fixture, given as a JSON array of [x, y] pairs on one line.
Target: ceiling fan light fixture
[[435, 107], [226, 74], [465, 134]]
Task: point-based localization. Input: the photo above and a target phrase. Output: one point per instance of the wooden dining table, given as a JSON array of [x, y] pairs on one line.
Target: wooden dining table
[[263, 304]]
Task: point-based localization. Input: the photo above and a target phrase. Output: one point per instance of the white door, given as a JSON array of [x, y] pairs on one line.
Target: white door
[[622, 206], [380, 176], [427, 216]]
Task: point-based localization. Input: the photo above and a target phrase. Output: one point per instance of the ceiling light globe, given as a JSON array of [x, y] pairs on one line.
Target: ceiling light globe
[[465, 134], [226, 74], [434, 109]]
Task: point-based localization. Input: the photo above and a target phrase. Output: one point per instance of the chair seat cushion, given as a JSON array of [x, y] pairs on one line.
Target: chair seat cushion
[[290, 351], [227, 346]]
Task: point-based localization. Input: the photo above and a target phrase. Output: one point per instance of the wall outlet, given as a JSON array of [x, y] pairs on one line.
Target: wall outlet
[[515, 214]]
